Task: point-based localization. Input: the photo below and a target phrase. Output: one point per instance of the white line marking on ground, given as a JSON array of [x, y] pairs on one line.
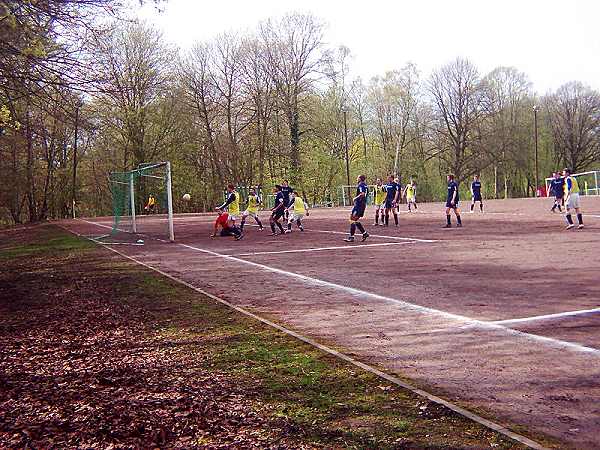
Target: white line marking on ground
[[392, 379], [398, 238], [580, 312], [555, 343], [318, 249]]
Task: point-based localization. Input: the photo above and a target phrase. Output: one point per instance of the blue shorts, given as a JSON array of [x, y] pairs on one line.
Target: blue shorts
[[389, 203], [358, 211], [477, 198], [450, 205]]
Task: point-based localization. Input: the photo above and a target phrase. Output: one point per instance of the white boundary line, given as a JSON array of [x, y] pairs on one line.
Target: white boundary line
[[318, 249], [392, 379], [580, 312], [397, 238]]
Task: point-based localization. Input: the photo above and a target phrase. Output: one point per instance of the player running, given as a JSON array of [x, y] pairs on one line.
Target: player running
[[299, 208], [476, 193], [557, 189], [227, 226], [391, 200], [572, 199], [452, 202], [360, 204], [410, 193], [379, 198], [277, 211], [252, 210], [232, 203]]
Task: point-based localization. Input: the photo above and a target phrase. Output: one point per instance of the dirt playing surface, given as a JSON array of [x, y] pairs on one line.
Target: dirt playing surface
[[424, 302]]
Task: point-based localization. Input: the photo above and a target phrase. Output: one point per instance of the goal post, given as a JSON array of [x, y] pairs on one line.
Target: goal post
[[588, 182], [142, 200]]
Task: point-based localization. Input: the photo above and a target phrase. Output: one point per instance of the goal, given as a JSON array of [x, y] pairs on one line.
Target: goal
[[587, 181], [142, 201]]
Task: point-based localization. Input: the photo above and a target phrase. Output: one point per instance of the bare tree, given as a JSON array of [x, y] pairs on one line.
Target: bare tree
[[457, 96], [293, 46], [574, 114]]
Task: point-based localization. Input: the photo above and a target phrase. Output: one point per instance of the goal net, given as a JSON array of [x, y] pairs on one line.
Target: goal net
[[142, 201], [587, 181]]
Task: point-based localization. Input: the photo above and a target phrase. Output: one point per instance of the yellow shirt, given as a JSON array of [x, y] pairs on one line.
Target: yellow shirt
[[234, 206], [379, 194], [299, 207], [574, 186], [151, 201], [252, 204], [410, 190]]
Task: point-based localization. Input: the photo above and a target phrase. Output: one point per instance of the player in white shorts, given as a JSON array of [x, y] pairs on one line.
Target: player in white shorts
[[379, 194], [252, 209], [410, 192], [572, 199], [298, 209]]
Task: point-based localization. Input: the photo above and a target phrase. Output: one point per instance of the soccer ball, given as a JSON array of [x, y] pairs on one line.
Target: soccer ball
[[187, 197]]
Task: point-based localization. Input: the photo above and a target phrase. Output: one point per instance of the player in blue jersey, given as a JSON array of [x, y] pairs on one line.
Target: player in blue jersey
[[476, 193], [277, 211], [452, 202], [286, 190], [360, 204], [391, 200], [557, 187]]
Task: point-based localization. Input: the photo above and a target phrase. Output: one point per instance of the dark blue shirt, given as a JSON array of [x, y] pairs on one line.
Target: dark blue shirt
[[556, 187], [286, 191], [476, 187], [362, 188], [452, 188], [391, 189], [279, 201]]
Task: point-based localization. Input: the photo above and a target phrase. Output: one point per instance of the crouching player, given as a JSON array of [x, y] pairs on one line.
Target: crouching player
[[360, 204], [227, 226], [252, 210], [299, 208]]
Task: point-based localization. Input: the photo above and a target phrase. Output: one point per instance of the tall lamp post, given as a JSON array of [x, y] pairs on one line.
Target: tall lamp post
[[346, 149], [535, 126]]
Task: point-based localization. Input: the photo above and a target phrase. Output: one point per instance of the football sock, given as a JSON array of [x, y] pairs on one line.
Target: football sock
[[458, 219], [352, 228], [569, 219], [360, 227], [448, 219], [580, 218]]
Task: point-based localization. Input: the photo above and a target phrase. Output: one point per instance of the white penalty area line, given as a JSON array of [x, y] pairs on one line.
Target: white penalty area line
[[396, 238], [392, 379], [581, 312], [468, 321], [318, 249]]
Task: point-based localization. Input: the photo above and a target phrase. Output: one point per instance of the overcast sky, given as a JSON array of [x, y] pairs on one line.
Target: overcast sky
[[552, 41]]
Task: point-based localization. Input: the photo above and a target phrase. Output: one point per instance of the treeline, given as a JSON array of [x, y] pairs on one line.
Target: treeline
[[81, 96]]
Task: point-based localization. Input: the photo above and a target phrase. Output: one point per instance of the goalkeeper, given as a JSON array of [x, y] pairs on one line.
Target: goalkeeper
[[227, 226]]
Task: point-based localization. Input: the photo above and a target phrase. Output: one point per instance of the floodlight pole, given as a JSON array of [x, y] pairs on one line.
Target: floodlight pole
[[73, 199], [170, 203], [535, 110], [132, 202]]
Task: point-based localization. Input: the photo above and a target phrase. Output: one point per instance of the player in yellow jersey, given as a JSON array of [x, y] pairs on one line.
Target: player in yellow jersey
[[298, 208], [232, 203], [151, 205], [252, 209], [572, 199], [379, 194], [410, 193]]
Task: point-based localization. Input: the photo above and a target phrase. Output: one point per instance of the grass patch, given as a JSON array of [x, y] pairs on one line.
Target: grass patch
[[295, 394]]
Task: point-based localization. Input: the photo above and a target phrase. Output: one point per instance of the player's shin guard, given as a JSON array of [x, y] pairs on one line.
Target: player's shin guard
[[377, 217], [360, 227], [458, 219], [242, 224], [472, 206], [448, 219], [396, 218], [289, 225], [569, 219], [481, 206], [279, 226], [580, 218], [352, 228], [258, 222], [272, 227], [387, 219]]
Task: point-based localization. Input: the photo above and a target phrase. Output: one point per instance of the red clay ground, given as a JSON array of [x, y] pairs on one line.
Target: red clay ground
[[423, 310]]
